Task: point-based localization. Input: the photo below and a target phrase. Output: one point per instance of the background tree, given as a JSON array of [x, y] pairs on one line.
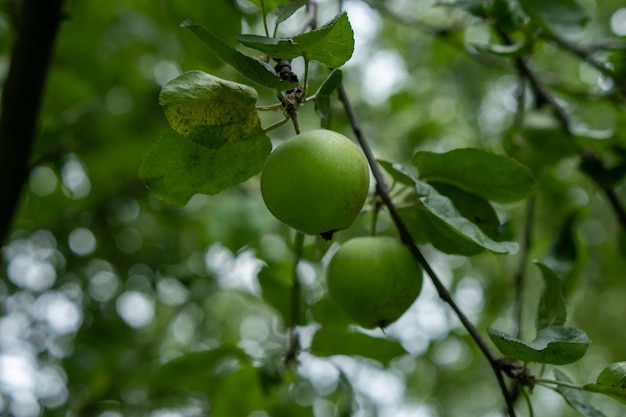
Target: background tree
[[495, 134]]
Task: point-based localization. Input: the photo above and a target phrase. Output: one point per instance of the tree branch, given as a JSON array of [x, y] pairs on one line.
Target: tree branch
[[21, 99], [383, 192]]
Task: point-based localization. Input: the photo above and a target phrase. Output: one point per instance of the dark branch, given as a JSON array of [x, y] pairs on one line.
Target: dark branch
[[21, 99], [382, 191]]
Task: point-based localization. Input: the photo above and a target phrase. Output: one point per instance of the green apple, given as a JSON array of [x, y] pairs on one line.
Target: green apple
[[316, 182], [374, 280]]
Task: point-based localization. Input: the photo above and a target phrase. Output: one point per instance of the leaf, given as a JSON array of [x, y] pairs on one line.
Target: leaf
[[327, 313], [478, 210], [557, 15], [531, 147], [490, 176], [285, 11], [475, 7], [552, 310], [322, 95], [201, 371], [209, 110], [331, 44], [443, 208], [251, 68], [228, 401], [177, 168], [327, 342], [269, 4], [521, 47], [555, 345], [611, 382], [397, 172], [575, 398]]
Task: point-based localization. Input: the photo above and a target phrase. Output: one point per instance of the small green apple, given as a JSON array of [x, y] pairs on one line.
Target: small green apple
[[316, 182], [374, 280]]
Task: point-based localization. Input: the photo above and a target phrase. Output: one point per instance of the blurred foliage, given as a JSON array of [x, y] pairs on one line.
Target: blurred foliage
[[114, 303]]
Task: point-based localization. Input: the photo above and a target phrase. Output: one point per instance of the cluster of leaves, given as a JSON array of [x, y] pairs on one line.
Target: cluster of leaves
[[217, 142]]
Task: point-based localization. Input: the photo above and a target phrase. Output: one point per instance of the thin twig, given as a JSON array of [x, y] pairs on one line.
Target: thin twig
[[544, 95], [518, 279], [293, 349], [585, 55], [443, 33], [444, 294]]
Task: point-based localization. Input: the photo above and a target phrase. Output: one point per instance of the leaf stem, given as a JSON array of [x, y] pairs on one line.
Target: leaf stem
[[276, 125], [548, 382], [444, 294], [267, 32]]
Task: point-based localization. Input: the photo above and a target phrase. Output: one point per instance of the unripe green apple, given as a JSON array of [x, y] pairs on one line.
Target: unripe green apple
[[316, 182], [374, 280]]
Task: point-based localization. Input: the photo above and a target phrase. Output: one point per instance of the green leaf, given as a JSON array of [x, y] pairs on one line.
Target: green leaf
[[560, 16], [575, 398], [285, 11], [331, 44], [327, 313], [425, 228], [611, 382], [541, 143], [228, 401], [478, 210], [508, 14], [490, 176], [555, 345], [444, 210], [209, 110], [177, 168], [397, 172], [552, 310], [269, 4], [521, 47], [475, 7], [323, 93], [202, 371], [329, 342], [251, 68]]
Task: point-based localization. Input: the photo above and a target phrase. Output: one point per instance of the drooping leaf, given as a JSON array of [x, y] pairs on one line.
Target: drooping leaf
[[552, 310], [202, 371], [397, 172], [575, 398], [253, 69], [444, 210], [209, 110], [331, 44], [556, 345], [178, 168], [328, 342], [269, 5], [475, 7], [611, 382], [426, 228], [323, 94], [493, 177], [560, 16], [285, 11], [474, 208]]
